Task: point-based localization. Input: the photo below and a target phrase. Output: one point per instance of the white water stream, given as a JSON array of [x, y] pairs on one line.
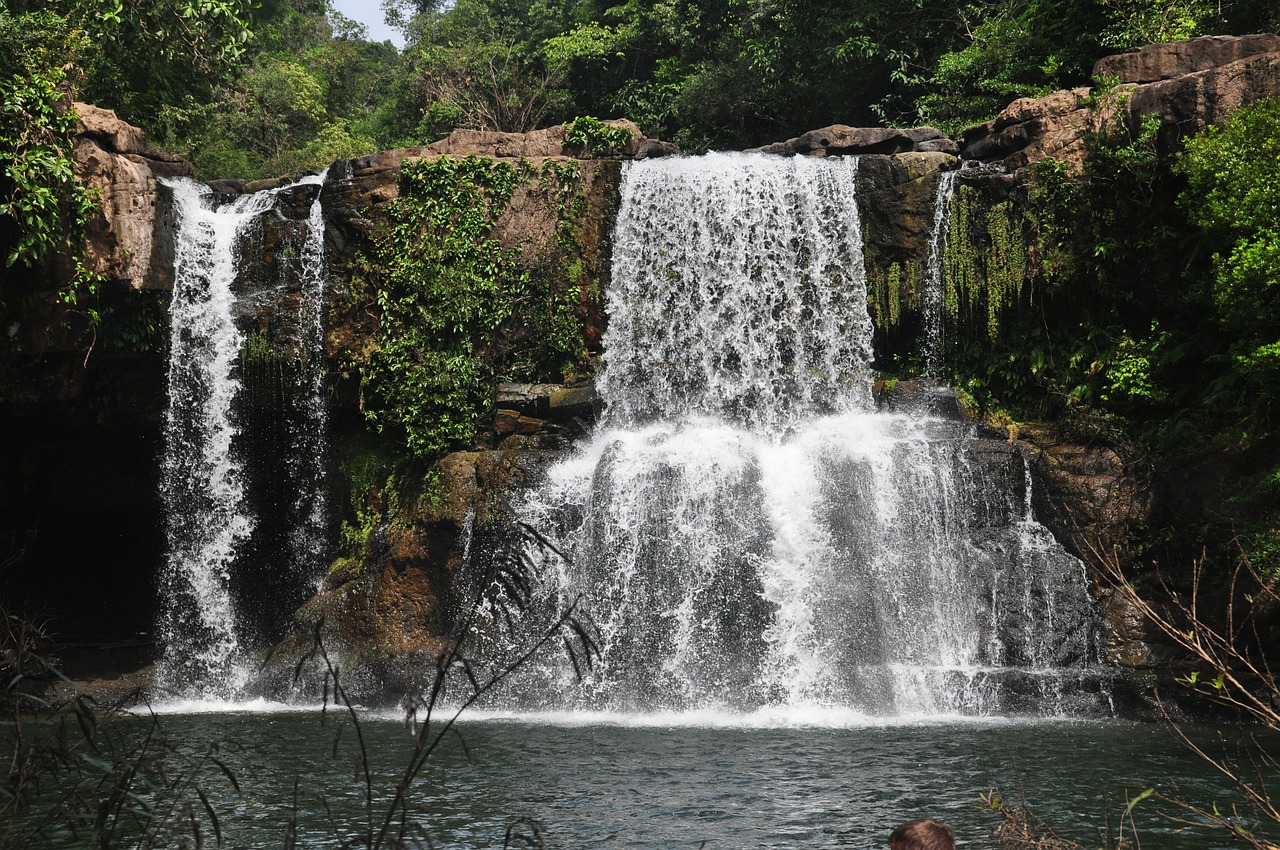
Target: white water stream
[[208, 519], [932, 297]]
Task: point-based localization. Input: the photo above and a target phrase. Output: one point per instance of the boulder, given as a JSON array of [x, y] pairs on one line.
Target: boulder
[[843, 140], [536, 144], [107, 131], [1188, 84], [541, 402], [1031, 129], [1189, 103], [530, 399], [506, 422], [1155, 62]]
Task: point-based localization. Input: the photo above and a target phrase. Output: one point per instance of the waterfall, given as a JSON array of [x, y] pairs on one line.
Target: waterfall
[[310, 521], [931, 306], [747, 530], [220, 382], [766, 261]]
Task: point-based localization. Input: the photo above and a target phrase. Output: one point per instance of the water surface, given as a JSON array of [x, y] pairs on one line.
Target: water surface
[[660, 782]]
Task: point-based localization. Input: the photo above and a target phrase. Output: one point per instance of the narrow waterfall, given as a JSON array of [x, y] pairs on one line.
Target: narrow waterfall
[[234, 405], [932, 301], [747, 530], [309, 542]]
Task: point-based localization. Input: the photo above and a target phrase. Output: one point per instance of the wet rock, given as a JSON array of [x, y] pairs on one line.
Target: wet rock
[[266, 184], [230, 187], [1091, 498], [555, 402], [513, 422], [1130, 642], [533, 399], [920, 397], [651, 148], [572, 402], [895, 200]]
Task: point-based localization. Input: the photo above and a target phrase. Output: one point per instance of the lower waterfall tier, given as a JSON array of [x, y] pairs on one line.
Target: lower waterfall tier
[[876, 562]]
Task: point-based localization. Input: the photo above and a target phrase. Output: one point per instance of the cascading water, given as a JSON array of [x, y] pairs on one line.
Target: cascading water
[[931, 305], [308, 542], [747, 530], [210, 516]]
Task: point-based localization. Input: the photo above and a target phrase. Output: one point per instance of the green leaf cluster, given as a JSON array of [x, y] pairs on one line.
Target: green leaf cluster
[[593, 137], [43, 205], [1233, 193], [457, 311], [1076, 301]]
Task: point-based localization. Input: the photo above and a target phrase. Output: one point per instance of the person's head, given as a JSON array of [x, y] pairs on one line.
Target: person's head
[[923, 834]]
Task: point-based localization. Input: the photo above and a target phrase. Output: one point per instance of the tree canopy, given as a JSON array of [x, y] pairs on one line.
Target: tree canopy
[[255, 88]]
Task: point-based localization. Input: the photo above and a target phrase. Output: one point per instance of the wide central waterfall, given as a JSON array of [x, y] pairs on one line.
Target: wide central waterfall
[[748, 531]]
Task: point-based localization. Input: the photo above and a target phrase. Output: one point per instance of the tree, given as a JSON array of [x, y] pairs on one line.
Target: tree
[[1233, 192]]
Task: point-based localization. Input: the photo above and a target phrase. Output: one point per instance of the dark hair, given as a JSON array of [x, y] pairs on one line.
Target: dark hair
[[923, 834]]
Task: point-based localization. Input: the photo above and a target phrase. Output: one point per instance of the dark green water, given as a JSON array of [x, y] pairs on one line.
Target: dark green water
[[650, 784]]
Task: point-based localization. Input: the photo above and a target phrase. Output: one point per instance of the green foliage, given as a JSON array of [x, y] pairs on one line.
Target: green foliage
[[1233, 192], [898, 289], [1150, 312], [1014, 53], [456, 310], [481, 65], [134, 55], [986, 269], [309, 95], [367, 476], [596, 138], [255, 89], [1137, 22], [1128, 376], [1087, 320], [42, 200]]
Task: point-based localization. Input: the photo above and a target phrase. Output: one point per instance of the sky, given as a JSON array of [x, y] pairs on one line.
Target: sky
[[369, 13]]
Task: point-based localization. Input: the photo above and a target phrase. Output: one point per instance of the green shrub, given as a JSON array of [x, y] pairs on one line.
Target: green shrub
[[456, 310], [596, 138]]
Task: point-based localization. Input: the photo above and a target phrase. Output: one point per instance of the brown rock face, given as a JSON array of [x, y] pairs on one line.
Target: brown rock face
[[128, 242], [1031, 129], [356, 187], [1188, 84], [1156, 62], [1189, 103], [895, 200], [1091, 498], [533, 223]]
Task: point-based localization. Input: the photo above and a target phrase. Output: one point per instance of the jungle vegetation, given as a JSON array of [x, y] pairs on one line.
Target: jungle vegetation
[[1158, 275], [252, 89]]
